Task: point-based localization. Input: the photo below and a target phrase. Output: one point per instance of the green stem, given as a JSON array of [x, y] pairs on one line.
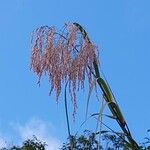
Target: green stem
[[114, 108]]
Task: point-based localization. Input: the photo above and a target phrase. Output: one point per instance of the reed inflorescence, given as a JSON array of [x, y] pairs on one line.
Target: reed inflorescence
[[65, 56]]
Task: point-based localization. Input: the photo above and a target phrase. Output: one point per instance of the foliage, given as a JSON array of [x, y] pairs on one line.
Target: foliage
[[30, 144], [86, 141], [89, 141], [108, 141]]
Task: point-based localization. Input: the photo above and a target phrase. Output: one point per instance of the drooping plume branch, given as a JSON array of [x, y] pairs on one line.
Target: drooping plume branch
[[65, 56]]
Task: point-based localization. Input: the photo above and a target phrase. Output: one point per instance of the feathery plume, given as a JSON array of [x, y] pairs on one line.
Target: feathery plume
[[64, 56]]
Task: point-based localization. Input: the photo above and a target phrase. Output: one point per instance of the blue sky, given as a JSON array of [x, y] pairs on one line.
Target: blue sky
[[120, 28]]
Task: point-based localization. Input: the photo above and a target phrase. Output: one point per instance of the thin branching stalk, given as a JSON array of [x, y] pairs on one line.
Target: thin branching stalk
[[66, 112], [67, 118]]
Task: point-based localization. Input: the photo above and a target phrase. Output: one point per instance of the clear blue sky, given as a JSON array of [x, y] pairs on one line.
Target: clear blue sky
[[120, 28]]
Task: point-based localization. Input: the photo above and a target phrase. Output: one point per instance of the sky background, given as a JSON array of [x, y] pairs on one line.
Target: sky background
[[121, 30]]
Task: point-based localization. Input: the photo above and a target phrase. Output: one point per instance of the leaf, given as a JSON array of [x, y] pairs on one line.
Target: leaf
[[102, 132], [112, 117], [83, 32], [89, 95], [117, 113], [95, 114], [105, 89], [100, 114]]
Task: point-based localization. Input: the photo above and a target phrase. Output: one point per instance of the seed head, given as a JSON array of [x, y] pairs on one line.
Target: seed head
[[65, 56]]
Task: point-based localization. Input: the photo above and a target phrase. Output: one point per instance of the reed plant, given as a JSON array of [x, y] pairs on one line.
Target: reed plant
[[68, 56]]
